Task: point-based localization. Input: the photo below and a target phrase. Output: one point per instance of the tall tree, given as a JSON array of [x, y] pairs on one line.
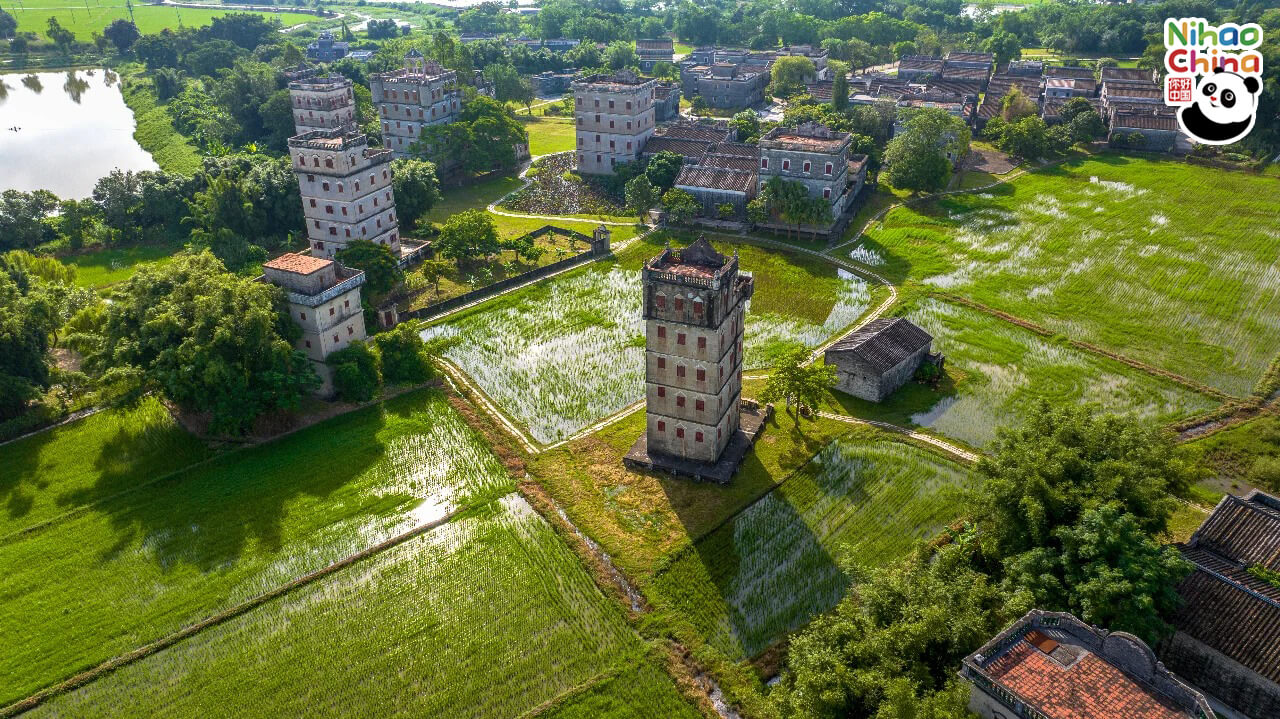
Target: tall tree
[[680, 205], [467, 236], [416, 189], [122, 33], [796, 382], [381, 271], [208, 340]]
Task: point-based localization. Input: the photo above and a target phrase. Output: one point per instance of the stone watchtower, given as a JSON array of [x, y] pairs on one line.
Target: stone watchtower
[[321, 102], [346, 191], [613, 116], [694, 304], [324, 300]]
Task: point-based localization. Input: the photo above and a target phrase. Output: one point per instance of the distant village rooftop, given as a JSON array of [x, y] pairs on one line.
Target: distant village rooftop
[[1052, 665], [621, 79], [318, 82]]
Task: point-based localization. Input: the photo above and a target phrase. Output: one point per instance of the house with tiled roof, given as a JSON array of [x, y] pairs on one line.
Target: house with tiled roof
[[1228, 629], [653, 51], [876, 359], [713, 186], [1153, 130], [913, 67], [1051, 665]]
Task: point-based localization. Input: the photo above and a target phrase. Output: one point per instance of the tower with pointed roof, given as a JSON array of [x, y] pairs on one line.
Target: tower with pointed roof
[[694, 304]]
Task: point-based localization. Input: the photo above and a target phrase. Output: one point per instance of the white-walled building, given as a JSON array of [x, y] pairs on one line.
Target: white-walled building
[[346, 190], [614, 115], [420, 94]]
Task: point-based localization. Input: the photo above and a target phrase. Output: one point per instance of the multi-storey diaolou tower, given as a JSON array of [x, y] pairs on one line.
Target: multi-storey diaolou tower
[[421, 93], [322, 102], [346, 190], [694, 302], [614, 115]]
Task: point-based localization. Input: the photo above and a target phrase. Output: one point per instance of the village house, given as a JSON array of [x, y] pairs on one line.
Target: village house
[[726, 85], [420, 94], [873, 361], [666, 101], [346, 190], [813, 155], [998, 88], [1051, 665], [913, 68], [552, 83], [652, 52], [1227, 641], [614, 117], [1024, 68], [971, 66], [688, 138], [1152, 130], [817, 55], [1061, 88], [326, 49], [324, 300], [694, 305]]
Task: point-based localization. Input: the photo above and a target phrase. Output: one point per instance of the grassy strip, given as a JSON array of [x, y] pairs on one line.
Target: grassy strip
[[172, 151], [1085, 346], [147, 650], [1269, 383]]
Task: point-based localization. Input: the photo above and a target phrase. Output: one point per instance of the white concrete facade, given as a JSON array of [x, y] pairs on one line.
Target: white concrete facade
[[322, 103], [419, 95], [346, 191], [614, 117]]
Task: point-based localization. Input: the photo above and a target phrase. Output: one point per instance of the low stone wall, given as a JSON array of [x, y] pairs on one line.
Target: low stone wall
[[597, 249]]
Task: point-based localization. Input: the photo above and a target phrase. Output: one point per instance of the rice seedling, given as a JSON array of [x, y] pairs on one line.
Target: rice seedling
[[776, 565], [81, 462], [1168, 263], [489, 615], [640, 691], [997, 371], [563, 354], [138, 566]]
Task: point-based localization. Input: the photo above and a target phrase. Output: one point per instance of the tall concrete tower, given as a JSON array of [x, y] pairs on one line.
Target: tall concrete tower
[[346, 190], [321, 102], [419, 94], [694, 303], [614, 115]]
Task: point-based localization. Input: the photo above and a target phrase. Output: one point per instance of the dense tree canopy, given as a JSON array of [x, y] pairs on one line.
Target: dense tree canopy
[[416, 189], [208, 340]]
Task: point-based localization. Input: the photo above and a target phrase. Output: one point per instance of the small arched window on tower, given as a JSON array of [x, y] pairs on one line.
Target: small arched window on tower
[[315, 160]]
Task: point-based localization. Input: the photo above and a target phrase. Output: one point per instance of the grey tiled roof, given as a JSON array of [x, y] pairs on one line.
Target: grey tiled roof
[[715, 178], [884, 343]]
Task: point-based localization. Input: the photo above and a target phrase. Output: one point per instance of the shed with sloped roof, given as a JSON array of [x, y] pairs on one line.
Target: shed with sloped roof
[[876, 359]]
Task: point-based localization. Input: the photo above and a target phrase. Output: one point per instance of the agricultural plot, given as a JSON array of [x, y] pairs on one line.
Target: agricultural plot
[[137, 566], [642, 691], [91, 459], [564, 353], [997, 370], [93, 17], [774, 566], [1171, 264], [489, 615]]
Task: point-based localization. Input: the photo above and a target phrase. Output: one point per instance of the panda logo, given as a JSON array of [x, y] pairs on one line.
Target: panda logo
[[1223, 108]]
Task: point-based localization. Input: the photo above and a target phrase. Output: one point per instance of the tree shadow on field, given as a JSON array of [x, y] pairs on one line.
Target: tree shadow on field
[[19, 484], [210, 516]]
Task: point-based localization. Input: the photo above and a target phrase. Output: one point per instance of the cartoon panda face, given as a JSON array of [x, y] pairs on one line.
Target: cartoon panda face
[[1223, 110]]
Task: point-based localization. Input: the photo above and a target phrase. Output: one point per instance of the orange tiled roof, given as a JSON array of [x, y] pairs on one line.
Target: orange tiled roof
[[301, 264], [1089, 688]]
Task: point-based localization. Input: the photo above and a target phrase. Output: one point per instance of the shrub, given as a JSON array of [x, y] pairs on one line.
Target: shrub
[[356, 375], [404, 356]]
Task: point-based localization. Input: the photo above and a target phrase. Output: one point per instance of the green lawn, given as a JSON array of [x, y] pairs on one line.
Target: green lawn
[[172, 151], [1241, 458], [996, 370], [137, 566], [93, 458], [489, 615], [561, 354], [549, 134], [100, 268], [776, 565], [1168, 263]]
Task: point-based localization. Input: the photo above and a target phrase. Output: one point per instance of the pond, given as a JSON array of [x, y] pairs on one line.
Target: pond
[[61, 131]]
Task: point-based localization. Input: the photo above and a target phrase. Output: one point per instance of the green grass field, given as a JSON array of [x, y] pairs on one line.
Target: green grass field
[[136, 566], [774, 566], [106, 267], [88, 17], [549, 134], [1167, 263], [78, 463], [489, 615], [516, 347], [996, 370], [171, 150]]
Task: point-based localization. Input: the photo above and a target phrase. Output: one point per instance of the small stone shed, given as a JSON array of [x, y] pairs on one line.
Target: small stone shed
[[879, 357]]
